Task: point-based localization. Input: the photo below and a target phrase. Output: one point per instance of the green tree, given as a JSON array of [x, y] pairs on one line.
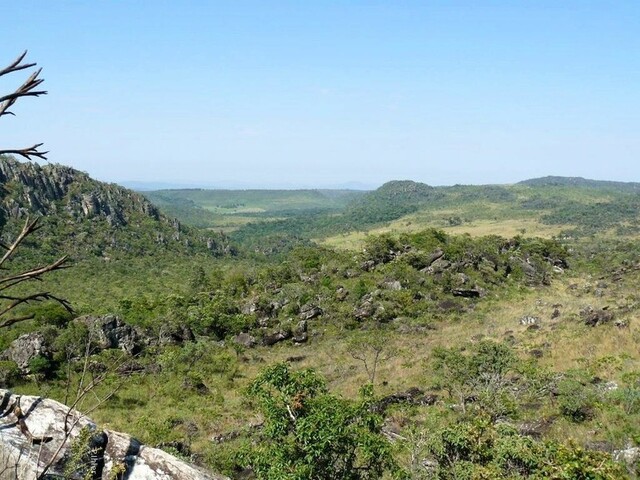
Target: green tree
[[312, 434]]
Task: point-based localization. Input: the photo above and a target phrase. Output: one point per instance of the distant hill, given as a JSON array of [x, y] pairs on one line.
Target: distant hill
[[228, 209], [83, 216], [392, 200], [580, 182]]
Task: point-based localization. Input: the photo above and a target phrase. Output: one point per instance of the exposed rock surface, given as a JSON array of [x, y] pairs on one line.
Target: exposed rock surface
[[44, 419], [24, 349], [309, 312], [109, 331], [245, 340], [413, 396], [114, 217], [593, 317], [276, 337]]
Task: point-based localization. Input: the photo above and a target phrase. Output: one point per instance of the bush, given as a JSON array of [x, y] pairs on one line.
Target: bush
[[575, 400], [311, 434], [9, 373]]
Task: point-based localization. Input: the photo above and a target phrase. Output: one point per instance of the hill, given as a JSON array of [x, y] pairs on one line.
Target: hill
[[85, 217], [230, 209], [581, 182]]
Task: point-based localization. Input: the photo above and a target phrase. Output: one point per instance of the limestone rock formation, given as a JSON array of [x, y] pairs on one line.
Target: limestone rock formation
[[34, 438], [24, 349], [109, 331], [91, 216]]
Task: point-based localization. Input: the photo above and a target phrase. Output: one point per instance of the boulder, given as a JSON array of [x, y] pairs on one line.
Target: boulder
[[629, 456], [171, 334], [24, 349], [109, 331], [413, 396], [309, 312], [34, 438], [596, 317], [392, 285], [341, 294], [529, 320], [245, 340], [466, 293], [276, 337], [300, 334], [364, 311]]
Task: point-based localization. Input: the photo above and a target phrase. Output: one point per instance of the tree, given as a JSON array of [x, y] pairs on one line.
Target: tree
[[312, 434], [371, 348], [8, 281]]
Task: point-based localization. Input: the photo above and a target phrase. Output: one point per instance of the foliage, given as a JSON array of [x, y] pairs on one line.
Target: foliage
[[480, 376], [576, 399], [480, 450], [312, 434]]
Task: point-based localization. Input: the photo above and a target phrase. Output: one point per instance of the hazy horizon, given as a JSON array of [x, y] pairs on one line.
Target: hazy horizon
[[289, 93]]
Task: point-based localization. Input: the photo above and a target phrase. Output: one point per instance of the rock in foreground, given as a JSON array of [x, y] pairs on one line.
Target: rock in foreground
[[34, 436]]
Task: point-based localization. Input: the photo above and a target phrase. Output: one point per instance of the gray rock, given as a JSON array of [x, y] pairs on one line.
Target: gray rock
[[392, 285], [364, 311], [300, 334], [630, 456], [245, 339], [109, 331], [529, 320], [45, 419], [596, 317], [309, 312], [341, 294], [276, 337], [24, 349], [171, 334]]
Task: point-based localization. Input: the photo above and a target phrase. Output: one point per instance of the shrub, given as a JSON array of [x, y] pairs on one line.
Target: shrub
[[312, 434]]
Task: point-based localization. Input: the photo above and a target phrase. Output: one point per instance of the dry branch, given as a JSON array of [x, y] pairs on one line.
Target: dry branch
[[27, 89]]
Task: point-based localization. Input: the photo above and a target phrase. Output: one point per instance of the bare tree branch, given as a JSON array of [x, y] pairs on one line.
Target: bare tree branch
[[27, 229], [15, 65], [27, 152], [27, 89]]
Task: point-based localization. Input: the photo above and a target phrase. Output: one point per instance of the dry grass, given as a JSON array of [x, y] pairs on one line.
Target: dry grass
[[503, 226]]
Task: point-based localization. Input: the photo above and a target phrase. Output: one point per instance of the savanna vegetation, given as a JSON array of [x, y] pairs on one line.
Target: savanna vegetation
[[348, 336]]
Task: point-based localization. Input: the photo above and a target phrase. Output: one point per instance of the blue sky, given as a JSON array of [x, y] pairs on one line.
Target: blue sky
[[321, 93]]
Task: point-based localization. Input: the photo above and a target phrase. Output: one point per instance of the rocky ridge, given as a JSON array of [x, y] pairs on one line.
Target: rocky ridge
[[104, 215]]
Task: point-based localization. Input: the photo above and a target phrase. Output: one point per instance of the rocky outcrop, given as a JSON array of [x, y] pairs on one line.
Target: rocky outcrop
[[24, 349], [43, 187], [246, 340], [309, 312], [114, 217], [593, 317], [33, 437], [109, 331]]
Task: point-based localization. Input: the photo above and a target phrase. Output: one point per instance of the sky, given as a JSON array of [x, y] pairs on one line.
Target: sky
[[327, 93]]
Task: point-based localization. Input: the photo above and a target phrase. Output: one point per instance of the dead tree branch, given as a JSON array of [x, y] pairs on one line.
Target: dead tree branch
[[29, 88]]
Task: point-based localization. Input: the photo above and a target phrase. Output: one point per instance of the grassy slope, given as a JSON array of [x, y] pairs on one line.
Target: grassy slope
[[543, 211]]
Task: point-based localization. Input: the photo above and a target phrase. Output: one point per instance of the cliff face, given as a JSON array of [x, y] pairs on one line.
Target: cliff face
[[35, 189], [98, 218], [34, 437]]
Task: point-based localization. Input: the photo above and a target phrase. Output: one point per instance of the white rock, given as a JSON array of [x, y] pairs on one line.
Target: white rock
[[46, 418]]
